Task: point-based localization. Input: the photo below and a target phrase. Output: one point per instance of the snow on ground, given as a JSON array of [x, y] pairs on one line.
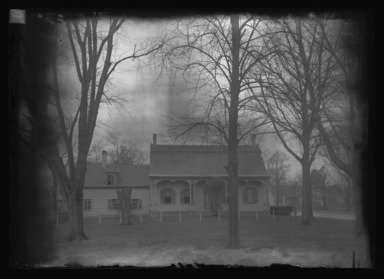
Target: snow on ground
[[328, 243]]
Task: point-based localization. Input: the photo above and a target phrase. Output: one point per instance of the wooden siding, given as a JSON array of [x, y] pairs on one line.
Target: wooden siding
[[100, 198]]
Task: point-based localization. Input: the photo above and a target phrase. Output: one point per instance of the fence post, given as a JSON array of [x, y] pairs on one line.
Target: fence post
[[161, 216], [99, 217], [219, 214], [180, 216], [199, 216]]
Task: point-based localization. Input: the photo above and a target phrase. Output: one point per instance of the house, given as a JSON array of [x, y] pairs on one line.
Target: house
[[179, 174], [102, 181], [175, 180]]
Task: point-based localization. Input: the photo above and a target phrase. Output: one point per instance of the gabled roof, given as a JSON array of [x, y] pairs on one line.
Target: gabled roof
[[203, 160], [127, 175]]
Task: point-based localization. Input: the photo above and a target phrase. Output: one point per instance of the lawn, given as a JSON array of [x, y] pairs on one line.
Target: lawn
[[265, 241]]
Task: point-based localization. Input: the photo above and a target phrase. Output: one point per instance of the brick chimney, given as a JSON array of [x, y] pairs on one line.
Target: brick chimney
[[154, 139], [104, 159], [253, 140]]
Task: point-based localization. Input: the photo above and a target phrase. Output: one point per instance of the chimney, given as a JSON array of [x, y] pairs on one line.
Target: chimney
[[104, 159], [253, 140], [154, 139]]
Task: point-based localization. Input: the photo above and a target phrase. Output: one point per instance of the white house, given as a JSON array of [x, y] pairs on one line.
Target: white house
[[175, 180]]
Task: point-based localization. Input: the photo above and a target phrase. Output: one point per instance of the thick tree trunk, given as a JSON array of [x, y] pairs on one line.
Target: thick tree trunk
[[357, 197], [277, 194], [75, 210], [124, 196], [348, 196], [307, 215], [233, 164], [54, 195]]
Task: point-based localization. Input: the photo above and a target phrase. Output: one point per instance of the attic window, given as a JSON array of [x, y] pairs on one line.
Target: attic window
[[110, 179]]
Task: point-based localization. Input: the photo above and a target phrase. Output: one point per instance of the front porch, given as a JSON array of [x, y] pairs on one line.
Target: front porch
[[191, 195]]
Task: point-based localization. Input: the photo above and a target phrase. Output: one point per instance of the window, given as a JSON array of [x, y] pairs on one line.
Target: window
[[207, 202], [110, 179], [250, 195], [135, 204], [167, 196], [185, 197], [87, 205], [113, 204]]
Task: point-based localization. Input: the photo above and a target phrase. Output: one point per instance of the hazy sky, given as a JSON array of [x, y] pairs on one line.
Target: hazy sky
[[149, 101]]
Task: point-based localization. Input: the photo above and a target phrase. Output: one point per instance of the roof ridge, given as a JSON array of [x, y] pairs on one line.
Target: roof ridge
[[195, 147]]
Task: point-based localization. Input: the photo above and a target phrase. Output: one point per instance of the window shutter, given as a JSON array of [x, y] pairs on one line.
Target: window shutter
[[173, 197], [245, 195]]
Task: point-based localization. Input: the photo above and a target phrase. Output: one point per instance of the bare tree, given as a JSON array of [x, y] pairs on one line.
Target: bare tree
[[294, 84], [123, 151], [343, 134], [319, 181], [92, 46], [124, 197], [94, 156], [31, 238], [218, 54], [277, 167], [215, 189]]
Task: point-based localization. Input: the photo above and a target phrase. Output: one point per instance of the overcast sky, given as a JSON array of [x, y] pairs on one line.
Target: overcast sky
[[150, 101]]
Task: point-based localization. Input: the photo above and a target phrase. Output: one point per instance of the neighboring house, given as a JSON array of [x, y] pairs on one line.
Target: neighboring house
[[175, 180], [289, 195], [102, 181]]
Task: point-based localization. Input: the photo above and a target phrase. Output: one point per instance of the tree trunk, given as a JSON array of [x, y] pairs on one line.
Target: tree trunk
[[124, 196], [233, 164], [54, 196], [277, 194], [75, 210], [357, 197], [307, 215], [348, 196]]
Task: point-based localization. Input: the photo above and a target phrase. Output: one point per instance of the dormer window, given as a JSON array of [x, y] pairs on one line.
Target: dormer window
[[110, 179]]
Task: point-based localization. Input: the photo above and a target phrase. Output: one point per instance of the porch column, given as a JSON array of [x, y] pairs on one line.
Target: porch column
[[226, 190]]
